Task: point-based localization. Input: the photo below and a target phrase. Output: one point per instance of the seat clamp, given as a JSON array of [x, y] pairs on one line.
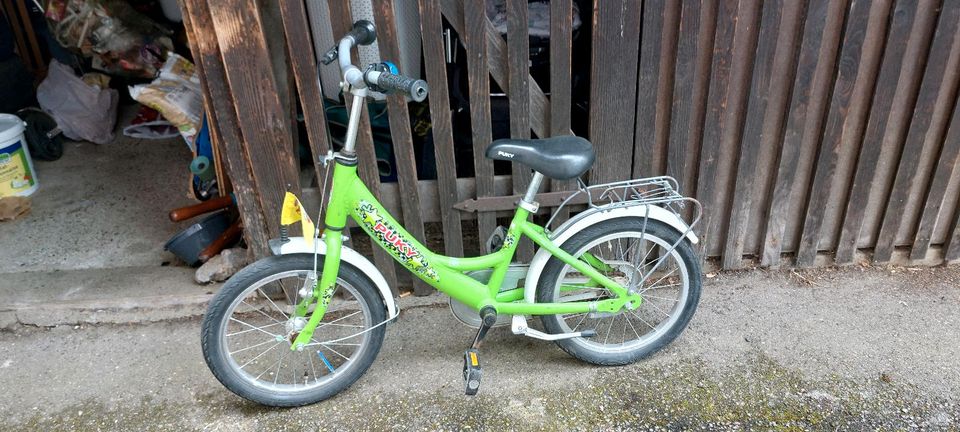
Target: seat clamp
[[531, 207]]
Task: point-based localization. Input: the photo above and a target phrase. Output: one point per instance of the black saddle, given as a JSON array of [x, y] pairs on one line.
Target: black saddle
[[561, 157]]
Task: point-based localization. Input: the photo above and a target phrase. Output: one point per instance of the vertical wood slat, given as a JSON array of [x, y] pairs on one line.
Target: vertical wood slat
[[816, 67], [561, 59], [304, 62], [848, 111], [715, 105], [442, 129], [31, 56], [665, 100], [341, 23], [875, 131], [933, 137], [744, 49], [784, 71], [250, 75], [953, 141], [478, 77], [750, 144], [898, 124], [402, 138], [616, 24], [223, 122], [691, 86], [518, 72], [649, 159]]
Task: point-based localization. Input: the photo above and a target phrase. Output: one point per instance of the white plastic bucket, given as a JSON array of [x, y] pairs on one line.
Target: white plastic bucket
[[17, 176]]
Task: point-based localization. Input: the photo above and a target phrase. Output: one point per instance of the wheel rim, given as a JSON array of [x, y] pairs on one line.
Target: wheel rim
[[256, 337], [629, 256]]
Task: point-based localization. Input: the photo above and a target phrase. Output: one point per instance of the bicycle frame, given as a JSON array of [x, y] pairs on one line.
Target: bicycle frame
[[349, 197]]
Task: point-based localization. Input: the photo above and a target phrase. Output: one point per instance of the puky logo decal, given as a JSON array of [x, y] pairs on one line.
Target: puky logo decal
[[400, 248]]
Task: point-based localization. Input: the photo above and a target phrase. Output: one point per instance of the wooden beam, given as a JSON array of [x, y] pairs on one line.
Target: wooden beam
[[616, 24], [442, 128], [402, 138], [260, 110], [341, 22], [478, 78], [225, 129], [860, 36], [823, 30], [898, 124], [934, 136]]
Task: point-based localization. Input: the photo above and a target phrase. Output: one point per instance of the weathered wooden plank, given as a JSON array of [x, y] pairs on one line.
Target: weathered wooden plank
[[946, 160], [341, 23], [649, 159], [304, 62], [256, 93], [402, 138], [838, 131], [497, 63], [741, 73], [561, 100], [783, 76], [442, 129], [701, 89], [223, 122], [478, 77], [751, 142], [870, 151], [716, 103], [953, 140], [899, 123], [823, 29], [667, 70], [518, 75], [616, 25]]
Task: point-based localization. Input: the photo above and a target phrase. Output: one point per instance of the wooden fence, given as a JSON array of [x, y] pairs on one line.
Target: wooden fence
[[803, 126]]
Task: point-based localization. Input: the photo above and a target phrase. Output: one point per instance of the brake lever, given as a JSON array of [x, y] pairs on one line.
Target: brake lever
[[330, 56]]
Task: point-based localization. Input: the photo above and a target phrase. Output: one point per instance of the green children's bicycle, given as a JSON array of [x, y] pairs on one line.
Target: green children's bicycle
[[616, 282]]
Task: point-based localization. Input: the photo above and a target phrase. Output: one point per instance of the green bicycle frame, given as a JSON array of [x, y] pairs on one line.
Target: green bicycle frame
[[349, 197]]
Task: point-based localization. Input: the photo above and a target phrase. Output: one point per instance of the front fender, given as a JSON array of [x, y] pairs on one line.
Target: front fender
[[299, 245], [573, 226]]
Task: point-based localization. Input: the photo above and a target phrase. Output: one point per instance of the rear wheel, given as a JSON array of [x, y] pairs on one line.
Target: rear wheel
[[249, 328], [641, 256]]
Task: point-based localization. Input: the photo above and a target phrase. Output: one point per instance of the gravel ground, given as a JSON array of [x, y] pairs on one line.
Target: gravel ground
[[852, 349]]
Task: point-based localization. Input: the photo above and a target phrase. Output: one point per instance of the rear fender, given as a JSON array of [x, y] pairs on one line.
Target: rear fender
[[573, 226]]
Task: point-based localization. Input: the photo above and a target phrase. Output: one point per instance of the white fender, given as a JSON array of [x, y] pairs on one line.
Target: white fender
[[568, 229], [299, 245]]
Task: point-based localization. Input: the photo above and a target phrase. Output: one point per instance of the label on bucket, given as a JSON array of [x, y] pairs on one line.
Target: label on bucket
[[15, 175]]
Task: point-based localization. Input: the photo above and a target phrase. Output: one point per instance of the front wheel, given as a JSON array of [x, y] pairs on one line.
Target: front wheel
[[640, 255], [250, 325]]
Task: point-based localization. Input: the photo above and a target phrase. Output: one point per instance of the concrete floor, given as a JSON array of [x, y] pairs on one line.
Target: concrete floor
[[100, 206], [850, 349]]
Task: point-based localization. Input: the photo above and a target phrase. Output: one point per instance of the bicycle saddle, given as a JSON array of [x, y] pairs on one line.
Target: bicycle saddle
[[561, 157]]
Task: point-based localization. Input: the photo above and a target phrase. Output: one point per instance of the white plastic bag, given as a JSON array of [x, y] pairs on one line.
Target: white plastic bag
[[82, 111]]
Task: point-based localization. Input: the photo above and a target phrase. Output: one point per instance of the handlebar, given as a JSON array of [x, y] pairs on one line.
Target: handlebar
[[364, 33], [391, 83]]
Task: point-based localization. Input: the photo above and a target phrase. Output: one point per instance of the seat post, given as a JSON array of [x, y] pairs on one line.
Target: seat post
[[528, 202]]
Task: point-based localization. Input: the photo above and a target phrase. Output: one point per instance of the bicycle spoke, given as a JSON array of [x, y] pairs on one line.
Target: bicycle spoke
[[260, 311], [254, 327], [260, 355], [285, 316], [252, 346]]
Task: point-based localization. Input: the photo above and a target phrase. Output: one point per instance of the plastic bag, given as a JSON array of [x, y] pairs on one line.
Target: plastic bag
[[176, 94], [82, 111]]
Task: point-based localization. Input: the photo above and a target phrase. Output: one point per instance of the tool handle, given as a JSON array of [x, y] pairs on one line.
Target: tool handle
[[184, 213], [229, 236]]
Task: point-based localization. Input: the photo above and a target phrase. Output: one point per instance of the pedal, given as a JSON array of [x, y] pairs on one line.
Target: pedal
[[471, 371]]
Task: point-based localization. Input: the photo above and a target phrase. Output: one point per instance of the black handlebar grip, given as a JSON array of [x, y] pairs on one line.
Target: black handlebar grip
[[363, 32], [416, 89]]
